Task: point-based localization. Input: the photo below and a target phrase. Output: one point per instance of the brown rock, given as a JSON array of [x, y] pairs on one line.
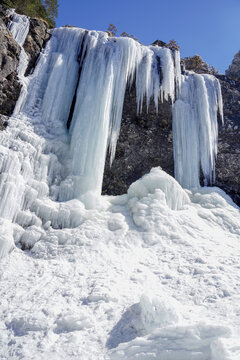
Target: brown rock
[[35, 41], [9, 58]]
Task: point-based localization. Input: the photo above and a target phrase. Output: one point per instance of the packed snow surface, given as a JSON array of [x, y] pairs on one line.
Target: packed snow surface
[[152, 274], [137, 280]]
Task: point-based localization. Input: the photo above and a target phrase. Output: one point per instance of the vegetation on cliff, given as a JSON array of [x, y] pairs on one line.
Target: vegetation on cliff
[[45, 9]]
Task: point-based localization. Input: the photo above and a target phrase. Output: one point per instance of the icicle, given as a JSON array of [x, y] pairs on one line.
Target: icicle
[[109, 64], [195, 129]]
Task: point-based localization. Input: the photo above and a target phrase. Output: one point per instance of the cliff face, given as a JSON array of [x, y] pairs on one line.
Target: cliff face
[[9, 58], [35, 41], [228, 160], [146, 139], [233, 72]]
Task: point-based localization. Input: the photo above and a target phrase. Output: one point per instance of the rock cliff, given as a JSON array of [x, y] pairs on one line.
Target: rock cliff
[[9, 58]]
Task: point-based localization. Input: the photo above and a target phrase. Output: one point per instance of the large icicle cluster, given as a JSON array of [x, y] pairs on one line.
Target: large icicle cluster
[[80, 81], [109, 64], [195, 129], [105, 66]]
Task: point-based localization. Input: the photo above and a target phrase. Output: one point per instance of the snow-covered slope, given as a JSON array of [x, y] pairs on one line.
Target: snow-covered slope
[[139, 280], [152, 274]]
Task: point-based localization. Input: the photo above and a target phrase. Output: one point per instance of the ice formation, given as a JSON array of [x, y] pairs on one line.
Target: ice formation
[[83, 75], [79, 82], [19, 27], [81, 79], [195, 129]]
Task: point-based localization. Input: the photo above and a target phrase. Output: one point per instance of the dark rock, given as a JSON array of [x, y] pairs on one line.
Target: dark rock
[[9, 58], [145, 141], [3, 122], [159, 43], [35, 41], [228, 160]]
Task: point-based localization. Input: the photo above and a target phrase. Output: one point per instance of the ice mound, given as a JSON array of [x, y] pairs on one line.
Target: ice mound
[[171, 192], [6, 238], [191, 342]]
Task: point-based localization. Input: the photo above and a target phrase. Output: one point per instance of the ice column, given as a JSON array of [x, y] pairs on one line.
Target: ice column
[[195, 129]]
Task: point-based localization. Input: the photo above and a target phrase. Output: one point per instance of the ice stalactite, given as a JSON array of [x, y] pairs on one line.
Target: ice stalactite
[[19, 27], [195, 129]]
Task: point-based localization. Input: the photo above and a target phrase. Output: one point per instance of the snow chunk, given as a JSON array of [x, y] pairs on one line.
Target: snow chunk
[[140, 319], [73, 322]]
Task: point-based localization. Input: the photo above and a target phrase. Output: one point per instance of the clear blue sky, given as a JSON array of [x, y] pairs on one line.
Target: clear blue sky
[[210, 28]]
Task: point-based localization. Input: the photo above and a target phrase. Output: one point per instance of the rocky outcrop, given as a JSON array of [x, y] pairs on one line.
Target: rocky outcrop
[[198, 65], [228, 160], [145, 141], [35, 41], [9, 58], [233, 71]]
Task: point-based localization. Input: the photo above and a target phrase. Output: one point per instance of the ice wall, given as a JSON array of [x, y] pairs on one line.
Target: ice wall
[[82, 76], [80, 79], [94, 70], [195, 129]]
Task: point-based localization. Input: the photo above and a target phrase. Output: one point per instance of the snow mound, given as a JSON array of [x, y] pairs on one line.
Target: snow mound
[[171, 192], [72, 322], [6, 238]]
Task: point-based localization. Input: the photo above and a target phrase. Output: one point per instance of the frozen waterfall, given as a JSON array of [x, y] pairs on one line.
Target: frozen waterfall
[[79, 82], [19, 27], [89, 70]]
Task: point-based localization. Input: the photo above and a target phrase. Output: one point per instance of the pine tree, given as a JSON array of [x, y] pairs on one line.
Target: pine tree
[[45, 9], [51, 7]]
